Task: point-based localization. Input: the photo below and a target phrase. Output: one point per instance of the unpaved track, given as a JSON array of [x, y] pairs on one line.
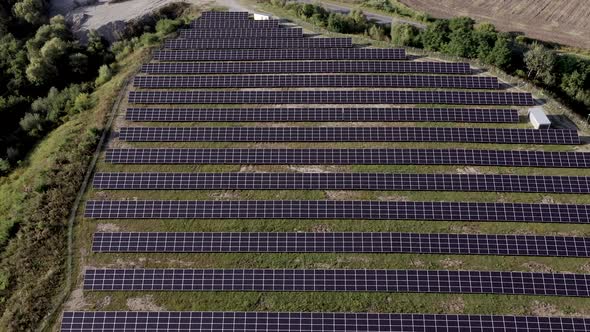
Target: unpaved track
[[563, 21]]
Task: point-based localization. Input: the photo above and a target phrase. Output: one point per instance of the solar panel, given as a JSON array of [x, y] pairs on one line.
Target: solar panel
[[348, 134], [241, 33], [344, 181], [407, 281], [348, 81], [214, 15], [144, 321], [456, 244], [278, 54], [306, 67], [234, 24], [258, 43], [331, 97], [369, 210], [518, 158], [321, 114]]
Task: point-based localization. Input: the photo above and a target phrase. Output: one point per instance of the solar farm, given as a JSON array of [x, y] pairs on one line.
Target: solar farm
[[262, 179]]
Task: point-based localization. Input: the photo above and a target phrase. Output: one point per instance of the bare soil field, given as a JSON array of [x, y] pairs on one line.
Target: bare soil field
[[563, 21]]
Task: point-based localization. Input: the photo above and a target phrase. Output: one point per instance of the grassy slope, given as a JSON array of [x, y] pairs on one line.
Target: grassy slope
[[434, 303]]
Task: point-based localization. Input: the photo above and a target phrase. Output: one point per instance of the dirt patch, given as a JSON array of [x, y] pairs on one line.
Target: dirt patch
[[104, 302], [76, 301], [455, 305], [312, 169], [472, 229], [224, 195], [547, 200], [353, 259], [393, 198], [108, 228], [586, 267], [145, 303], [417, 263], [468, 170], [562, 21], [450, 263], [342, 195], [321, 228], [543, 309], [537, 267]]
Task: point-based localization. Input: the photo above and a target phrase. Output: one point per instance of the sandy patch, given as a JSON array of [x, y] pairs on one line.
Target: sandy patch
[[537, 267], [108, 228], [450, 263], [417, 263], [547, 200], [76, 301], [393, 198], [471, 229], [225, 195], [543, 309], [312, 169], [468, 170], [145, 303], [342, 195], [321, 228], [455, 305]]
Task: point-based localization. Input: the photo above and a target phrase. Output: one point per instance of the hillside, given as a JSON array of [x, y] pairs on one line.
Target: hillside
[[559, 21]]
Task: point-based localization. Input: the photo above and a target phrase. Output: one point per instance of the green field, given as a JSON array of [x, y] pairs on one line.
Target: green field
[[331, 301]]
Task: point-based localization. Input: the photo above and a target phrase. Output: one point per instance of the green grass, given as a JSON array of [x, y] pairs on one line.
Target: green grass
[[309, 301]]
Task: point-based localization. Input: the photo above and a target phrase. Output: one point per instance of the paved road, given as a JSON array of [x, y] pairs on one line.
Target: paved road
[[380, 18]]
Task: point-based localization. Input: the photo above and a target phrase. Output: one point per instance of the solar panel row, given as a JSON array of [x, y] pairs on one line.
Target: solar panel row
[[517, 158], [321, 114], [331, 97], [369, 210], [279, 54], [214, 15], [257, 43], [306, 67], [420, 281], [192, 321], [235, 24], [348, 134], [241, 33], [294, 81], [463, 244], [344, 181]]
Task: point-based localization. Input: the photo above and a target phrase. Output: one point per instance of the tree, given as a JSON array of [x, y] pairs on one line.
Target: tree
[[335, 23], [31, 11], [78, 63], [461, 40], [32, 124], [104, 75], [40, 72], [501, 53], [404, 35], [436, 35], [540, 62]]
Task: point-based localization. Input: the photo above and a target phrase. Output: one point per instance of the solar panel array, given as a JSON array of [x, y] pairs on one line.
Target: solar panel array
[[331, 97], [258, 43], [241, 33], [145, 321], [463, 244], [321, 114], [336, 81], [343, 181], [287, 67], [214, 15], [348, 134], [519, 158], [235, 24], [281, 54], [369, 210], [423, 281]]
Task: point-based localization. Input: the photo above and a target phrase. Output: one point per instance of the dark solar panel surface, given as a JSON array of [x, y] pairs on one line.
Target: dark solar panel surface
[[345, 181], [459, 244], [241, 33], [348, 81], [331, 97], [517, 158], [348, 134], [306, 67], [279, 54], [321, 114], [213, 15], [419, 281], [234, 24], [382, 210], [127, 321], [257, 43]]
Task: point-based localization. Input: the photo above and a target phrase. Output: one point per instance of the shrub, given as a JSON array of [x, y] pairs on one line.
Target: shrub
[[32, 123], [104, 75]]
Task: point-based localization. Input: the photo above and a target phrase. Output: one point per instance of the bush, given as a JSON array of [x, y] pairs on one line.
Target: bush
[[405, 35], [167, 26], [104, 75], [32, 123]]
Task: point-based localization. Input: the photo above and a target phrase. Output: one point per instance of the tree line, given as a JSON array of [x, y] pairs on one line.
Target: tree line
[[566, 75]]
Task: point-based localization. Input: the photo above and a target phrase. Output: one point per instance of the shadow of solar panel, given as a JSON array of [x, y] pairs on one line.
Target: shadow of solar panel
[[321, 114], [241, 33], [214, 15], [411, 281], [369, 210], [350, 157], [288, 81], [348, 134], [234, 24], [306, 67], [343, 181], [122, 321], [279, 54], [331, 97], [258, 43], [457, 244]]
